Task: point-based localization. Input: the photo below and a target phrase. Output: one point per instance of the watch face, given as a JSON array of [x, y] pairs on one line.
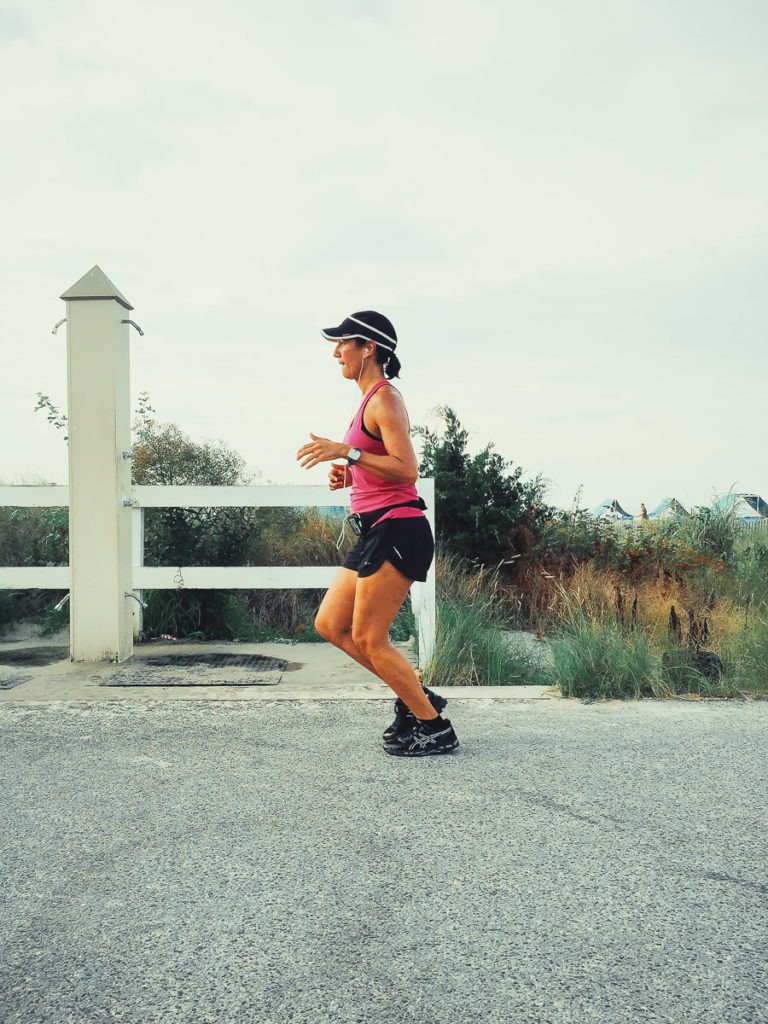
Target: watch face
[[354, 455]]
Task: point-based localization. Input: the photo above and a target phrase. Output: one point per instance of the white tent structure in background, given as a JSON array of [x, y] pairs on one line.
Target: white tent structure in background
[[611, 511], [747, 507], [668, 508]]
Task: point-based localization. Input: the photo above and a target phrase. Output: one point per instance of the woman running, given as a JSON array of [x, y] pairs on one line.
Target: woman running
[[395, 545]]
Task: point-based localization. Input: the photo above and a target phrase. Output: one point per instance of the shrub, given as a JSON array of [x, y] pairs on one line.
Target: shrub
[[7, 609], [484, 511], [33, 537]]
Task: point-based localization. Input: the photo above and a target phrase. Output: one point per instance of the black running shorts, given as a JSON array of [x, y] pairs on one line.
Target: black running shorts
[[407, 543]]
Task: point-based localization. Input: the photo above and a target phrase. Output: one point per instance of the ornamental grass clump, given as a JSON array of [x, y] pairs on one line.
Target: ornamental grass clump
[[603, 651], [745, 656], [472, 647], [603, 660], [596, 659], [678, 607]]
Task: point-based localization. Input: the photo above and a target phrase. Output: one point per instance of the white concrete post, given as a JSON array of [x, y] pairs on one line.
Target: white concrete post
[[99, 421]]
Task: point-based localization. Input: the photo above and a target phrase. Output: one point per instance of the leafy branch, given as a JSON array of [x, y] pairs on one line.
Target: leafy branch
[[55, 416]]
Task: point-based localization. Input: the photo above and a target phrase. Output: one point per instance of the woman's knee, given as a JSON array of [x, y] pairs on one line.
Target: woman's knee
[[323, 625], [366, 642], [329, 628]]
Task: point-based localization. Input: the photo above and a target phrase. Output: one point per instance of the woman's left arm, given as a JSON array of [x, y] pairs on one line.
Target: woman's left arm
[[385, 413]]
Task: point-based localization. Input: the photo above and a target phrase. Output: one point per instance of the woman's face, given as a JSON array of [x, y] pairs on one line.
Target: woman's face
[[350, 357]]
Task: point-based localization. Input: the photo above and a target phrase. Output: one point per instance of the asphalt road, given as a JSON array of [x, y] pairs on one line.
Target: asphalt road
[[268, 862]]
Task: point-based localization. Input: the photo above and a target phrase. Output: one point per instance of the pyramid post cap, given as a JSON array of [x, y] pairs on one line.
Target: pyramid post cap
[[95, 285]]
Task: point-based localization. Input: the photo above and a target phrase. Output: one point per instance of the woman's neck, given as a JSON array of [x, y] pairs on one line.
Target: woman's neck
[[370, 378]]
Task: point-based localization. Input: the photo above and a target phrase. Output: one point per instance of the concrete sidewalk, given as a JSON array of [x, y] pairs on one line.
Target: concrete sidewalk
[[265, 861], [314, 672]]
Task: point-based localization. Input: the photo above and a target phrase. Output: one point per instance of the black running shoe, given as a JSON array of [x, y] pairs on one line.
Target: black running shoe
[[404, 720], [438, 703], [403, 723], [421, 743]]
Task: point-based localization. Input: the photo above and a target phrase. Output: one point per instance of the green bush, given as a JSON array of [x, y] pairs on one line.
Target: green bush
[[708, 531], [7, 610], [570, 537], [163, 454], [470, 652], [751, 572], [50, 619], [33, 537], [484, 511]]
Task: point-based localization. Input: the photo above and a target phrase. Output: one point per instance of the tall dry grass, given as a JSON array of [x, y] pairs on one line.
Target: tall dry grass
[[612, 638]]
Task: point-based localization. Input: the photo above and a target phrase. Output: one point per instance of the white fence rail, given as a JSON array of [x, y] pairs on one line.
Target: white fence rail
[[215, 577], [755, 524], [22, 496], [760, 525]]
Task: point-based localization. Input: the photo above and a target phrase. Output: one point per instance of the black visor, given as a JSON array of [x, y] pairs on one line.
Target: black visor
[[368, 326]]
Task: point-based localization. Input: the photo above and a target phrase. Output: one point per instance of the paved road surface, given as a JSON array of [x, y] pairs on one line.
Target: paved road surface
[[234, 862]]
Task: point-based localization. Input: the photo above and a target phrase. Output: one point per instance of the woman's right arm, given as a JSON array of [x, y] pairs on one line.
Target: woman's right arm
[[339, 476]]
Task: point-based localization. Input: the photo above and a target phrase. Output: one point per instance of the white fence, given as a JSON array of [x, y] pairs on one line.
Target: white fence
[[214, 577], [759, 525], [106, 570]]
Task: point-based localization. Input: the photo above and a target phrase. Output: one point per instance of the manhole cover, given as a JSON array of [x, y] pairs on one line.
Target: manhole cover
[[33, 656], [206, 669]]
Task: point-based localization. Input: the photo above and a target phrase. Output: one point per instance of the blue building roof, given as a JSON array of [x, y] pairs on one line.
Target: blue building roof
[[610, 508]]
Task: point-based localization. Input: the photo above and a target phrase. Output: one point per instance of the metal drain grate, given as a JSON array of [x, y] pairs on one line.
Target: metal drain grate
[[9, 679], [204, 669], [34, 656]]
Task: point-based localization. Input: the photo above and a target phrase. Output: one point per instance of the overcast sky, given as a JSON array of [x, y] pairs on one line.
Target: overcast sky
[[561, 206]]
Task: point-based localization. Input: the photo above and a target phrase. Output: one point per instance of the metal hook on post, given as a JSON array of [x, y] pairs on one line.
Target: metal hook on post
[[133, 324], [135, 598], [62, 602], [58, 325]]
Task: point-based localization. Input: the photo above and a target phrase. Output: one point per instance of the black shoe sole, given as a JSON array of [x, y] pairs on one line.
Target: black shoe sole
[[402, 752]]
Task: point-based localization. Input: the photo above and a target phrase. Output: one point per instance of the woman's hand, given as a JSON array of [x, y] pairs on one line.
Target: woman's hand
[[320, 449], [338, 477]]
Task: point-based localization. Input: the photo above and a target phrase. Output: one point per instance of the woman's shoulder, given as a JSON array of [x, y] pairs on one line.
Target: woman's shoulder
[[387, 403], [386, 395]]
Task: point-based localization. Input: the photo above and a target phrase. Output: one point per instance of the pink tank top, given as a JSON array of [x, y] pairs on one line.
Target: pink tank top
[[370, 492]]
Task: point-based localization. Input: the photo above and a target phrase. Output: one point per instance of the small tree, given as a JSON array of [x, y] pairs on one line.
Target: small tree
[[164, 455], [484, 510]]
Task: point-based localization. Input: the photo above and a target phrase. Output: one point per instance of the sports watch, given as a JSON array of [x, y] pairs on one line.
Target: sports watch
[[353, 455]]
